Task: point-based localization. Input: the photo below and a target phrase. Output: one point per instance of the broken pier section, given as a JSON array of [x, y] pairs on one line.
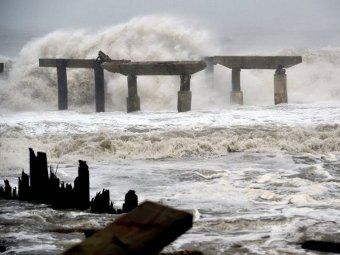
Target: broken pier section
[[184, 69], [62, 63], [237, 63]]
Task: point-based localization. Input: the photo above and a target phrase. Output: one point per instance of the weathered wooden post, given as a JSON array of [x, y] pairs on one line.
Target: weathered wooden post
[[236, 95], [82, 187], [23, 185], [280, 86], [62, 84], [131, 201], [8, 190], [39, 176], [2, 67], [99, 86], [184, 95], [145, 230], [133, 100]]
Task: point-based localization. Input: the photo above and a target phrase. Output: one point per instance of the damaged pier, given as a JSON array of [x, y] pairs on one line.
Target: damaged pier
[[184, 69], [237, 63], [62, 63]]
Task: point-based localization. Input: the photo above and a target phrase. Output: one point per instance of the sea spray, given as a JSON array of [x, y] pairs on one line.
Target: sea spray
[[141, 39], [149, 38]]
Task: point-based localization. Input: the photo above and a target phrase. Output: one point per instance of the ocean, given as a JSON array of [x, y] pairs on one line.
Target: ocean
[[258, 178]]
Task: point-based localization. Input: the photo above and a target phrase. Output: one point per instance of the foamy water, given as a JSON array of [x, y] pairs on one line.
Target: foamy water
[[279, 189], [258, 178]]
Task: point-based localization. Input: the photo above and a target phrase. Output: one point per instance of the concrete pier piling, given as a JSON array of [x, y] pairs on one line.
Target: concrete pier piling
[[133, 100], [209, 71], [184, 94], [280, 86], [62, 85], [236, 95], [99, 86]]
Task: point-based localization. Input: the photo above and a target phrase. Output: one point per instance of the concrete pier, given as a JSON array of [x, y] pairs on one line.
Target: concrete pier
[[280, 86], [133, 100], [182, 68], [95, 64], [236, 95], [236, 63], [62, 85], [99, 87], [2, 67], [184, 94]]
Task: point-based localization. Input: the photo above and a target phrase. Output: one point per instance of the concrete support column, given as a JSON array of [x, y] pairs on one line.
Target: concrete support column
[[99, 87], [184, 95], [236, 95], [133, 100], [62, 84], [209, 71], [280, 86]]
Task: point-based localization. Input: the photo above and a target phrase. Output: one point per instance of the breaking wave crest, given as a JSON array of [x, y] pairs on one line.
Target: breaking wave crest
[[105, 147], [145, 38]]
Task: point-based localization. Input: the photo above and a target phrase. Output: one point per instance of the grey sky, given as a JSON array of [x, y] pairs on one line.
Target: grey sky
[[291, 23]]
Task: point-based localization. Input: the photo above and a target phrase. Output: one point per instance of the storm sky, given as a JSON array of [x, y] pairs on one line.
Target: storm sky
[[246, 23]]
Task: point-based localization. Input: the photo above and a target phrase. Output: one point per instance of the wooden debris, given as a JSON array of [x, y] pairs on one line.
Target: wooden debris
[[101, 203], [143, 231], [42, 187], [322, 246]]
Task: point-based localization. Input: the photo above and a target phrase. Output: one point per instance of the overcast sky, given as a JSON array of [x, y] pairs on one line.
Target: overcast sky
[[292, 23]]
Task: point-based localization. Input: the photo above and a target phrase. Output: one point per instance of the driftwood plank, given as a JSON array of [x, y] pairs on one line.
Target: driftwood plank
[[143, 231]]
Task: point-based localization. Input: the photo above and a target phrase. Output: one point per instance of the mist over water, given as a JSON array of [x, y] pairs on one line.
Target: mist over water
[[152, 38]]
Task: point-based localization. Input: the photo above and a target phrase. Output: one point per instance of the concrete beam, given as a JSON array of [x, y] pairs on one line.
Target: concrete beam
[[155, 68], [257, 62], [69, 63], [73, 63], [2, 67]]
